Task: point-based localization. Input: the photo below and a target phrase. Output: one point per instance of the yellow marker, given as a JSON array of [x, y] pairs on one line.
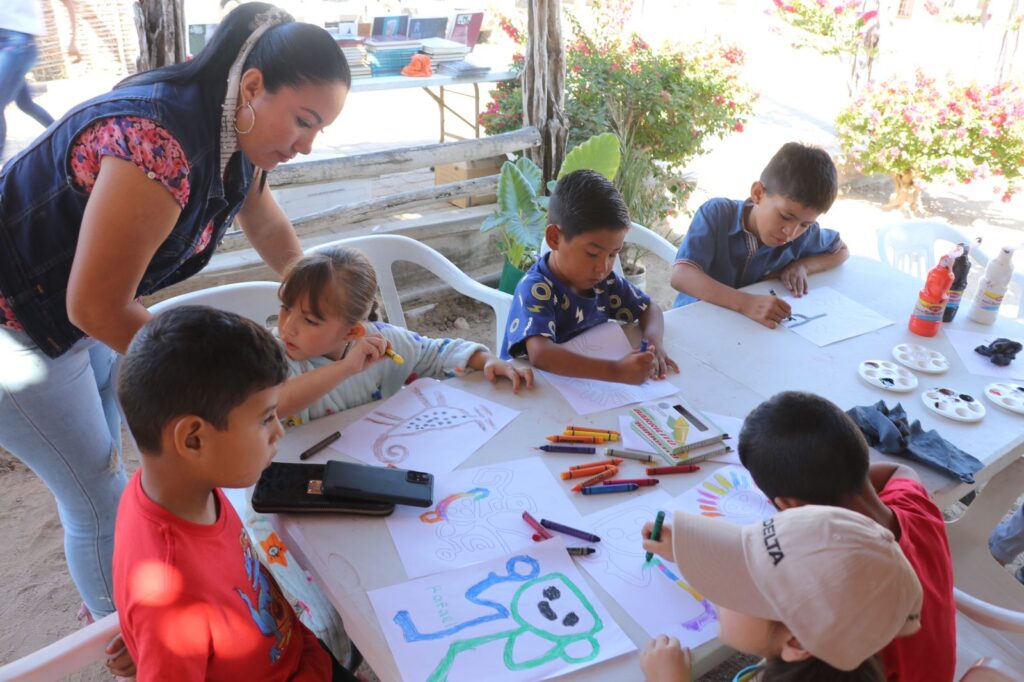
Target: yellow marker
[[394, 356]]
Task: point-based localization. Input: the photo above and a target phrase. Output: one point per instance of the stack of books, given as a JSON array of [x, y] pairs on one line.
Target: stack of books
[[463, 68], [442, 50], [388, 56], [355, 54], [678, 431]]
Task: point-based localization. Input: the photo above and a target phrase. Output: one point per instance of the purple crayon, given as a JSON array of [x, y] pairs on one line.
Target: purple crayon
[[574, 449], [602, 489]]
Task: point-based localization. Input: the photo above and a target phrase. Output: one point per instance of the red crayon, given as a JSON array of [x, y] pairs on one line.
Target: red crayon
[[680, 469], [638, 481], [542, 532]]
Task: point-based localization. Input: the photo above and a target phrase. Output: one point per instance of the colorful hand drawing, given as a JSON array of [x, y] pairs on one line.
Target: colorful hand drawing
[[709, 617], [440, 512], [434, 416], [731, 493], [564, 617]]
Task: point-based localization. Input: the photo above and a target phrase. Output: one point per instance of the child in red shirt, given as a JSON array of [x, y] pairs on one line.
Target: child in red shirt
[[199, 389], [802, 449]]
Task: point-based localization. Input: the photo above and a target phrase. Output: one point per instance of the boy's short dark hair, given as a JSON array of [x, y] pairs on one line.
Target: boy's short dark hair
[[801, 445], [585, 200], [194, 360], [803, 174]]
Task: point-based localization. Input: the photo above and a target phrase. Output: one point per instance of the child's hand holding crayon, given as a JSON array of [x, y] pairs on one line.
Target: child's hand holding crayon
[[635, 368], [768, 310], [363, 352], [663, 545]]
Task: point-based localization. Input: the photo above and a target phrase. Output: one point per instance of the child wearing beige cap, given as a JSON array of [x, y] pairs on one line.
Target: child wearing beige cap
[[816, 591]]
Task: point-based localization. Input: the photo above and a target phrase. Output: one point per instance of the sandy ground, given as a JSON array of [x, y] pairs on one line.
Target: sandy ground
[[37, 599]]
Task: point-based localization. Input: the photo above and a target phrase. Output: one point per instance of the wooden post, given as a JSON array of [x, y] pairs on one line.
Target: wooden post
[[544, 84], [161, 27]]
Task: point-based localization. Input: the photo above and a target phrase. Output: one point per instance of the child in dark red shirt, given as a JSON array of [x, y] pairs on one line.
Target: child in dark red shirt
[[802, 449], [199, 389]]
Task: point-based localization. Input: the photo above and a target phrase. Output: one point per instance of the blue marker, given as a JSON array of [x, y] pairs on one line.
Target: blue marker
[[643, 345], [602, 489]]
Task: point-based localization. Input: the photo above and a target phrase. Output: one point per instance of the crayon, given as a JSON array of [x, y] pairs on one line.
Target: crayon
[[655, 535], [644, 343], [580, 551], [772, 292], [592, 429], [597, 434], [568, 530], [639, 481], [542, 532], [629, 454], [394, 356], [610, 461], [602, 489], [317, 447], [578, 439], [603, 476], [679, 469], [588, 471], [577, 449]]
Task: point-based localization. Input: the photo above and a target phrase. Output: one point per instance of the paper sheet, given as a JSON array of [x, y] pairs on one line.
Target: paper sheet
[[824, 316], [478, 515], [728, 494], [652, 593], [427, 426], [964, 342], [609, 342], [528, 615]]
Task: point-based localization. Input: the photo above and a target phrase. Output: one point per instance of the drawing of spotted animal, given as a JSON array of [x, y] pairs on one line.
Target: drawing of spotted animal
[[434, 416]]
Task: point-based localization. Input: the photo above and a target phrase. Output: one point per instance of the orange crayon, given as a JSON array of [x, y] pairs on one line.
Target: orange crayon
[[603, 476], [578, 439], [587, 471], [611, 461]]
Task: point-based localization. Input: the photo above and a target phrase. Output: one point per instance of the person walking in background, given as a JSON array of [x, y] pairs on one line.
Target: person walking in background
[[20, 22]]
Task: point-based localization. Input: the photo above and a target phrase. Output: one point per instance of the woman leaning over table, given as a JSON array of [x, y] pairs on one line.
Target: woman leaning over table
[[129, 193]]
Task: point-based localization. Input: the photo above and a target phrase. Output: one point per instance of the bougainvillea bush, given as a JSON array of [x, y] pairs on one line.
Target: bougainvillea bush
[[832, 27], [922, 129]]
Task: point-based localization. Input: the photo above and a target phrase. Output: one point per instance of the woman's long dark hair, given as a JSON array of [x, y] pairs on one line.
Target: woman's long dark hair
[[289, 54], [816, 670]]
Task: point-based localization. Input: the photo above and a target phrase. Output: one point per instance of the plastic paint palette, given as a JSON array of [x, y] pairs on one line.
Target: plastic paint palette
[[887, 375], [959, 407], [916, 356], [1007, 396]]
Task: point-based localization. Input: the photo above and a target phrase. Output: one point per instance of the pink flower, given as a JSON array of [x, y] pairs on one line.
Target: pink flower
[[738, 126], [838, 9], [961, 133], [868, 16]]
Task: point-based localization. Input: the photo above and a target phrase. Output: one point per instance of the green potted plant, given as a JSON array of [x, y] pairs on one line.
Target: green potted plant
[[521, 215]]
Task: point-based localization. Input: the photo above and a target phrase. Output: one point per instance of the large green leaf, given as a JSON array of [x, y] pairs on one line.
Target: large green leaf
[[523, 219], [600, 153], [531, 172], [514, 190], [492, 222]]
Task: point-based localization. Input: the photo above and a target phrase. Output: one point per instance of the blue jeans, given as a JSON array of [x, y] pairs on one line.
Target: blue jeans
[[60, 417], [18, 53], [1007, 540]]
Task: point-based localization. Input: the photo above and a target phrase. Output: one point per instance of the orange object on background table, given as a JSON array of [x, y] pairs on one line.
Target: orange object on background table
[[418, 67]]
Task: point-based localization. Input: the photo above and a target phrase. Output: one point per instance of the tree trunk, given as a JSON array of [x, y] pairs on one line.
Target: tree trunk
[[162, 36], [544, 85]]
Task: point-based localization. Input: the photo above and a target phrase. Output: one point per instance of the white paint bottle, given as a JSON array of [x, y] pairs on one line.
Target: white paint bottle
[[992, 287]]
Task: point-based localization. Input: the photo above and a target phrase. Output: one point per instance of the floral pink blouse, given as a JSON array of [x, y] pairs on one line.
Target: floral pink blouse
[[139, 141]]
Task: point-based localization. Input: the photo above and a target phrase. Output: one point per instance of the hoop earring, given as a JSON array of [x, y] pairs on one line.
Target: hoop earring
[[252, 112]]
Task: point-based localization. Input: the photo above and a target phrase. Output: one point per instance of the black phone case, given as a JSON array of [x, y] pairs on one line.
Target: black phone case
[[382, 484], [284, 488]]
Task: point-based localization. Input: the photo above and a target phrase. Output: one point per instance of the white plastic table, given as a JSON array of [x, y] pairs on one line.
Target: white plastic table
[[349, 556], [771, 360], [443, 84]]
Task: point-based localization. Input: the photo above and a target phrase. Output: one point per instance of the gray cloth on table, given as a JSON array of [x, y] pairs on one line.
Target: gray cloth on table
[[890, 431]]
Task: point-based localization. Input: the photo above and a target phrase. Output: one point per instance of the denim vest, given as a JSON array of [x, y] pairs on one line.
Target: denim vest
[[41, 210]]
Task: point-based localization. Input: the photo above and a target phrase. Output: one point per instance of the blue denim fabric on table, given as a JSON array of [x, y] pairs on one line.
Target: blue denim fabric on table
[[891, 432]]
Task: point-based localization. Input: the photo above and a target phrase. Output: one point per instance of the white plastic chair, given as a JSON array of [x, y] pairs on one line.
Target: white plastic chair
[[65, 656], [255, 300], [984, 592], [385, 250], [909, 246]]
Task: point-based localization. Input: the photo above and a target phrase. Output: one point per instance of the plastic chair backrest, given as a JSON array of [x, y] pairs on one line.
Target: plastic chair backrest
[[385, 250], [911, 244], [255, 300], [67, 655]]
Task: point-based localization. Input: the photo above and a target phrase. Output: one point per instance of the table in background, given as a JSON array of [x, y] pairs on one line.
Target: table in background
[[771, 360], [349, 556], [441, 82]]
